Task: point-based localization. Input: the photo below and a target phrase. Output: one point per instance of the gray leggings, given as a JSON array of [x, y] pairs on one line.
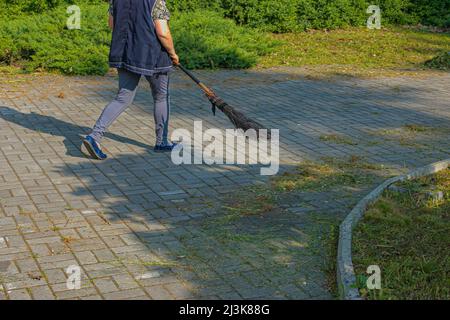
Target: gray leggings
[[128, 82]]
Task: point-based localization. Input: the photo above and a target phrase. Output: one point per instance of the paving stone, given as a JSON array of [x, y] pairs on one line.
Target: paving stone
[[105, 285], [42, 293], [74, 294], [179, 291], [159, 293], [27, 265], [125, 294], [59, 208], [55, 276], [86, 257], [21, 294], [125, 281], [92, 297]]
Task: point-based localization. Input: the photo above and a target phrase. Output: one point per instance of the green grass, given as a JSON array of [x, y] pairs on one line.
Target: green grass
[[359, 51], [408, 235]]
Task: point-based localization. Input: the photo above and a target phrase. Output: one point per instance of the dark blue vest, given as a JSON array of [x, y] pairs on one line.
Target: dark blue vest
[[135, 45]]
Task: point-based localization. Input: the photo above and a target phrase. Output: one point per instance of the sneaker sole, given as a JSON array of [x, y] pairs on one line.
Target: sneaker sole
[[91, 151]]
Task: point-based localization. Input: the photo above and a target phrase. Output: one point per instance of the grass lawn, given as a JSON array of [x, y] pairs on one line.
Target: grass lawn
[[407, 234], [358, 51]]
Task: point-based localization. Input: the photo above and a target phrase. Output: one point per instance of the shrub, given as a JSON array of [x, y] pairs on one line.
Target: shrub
[[287, 15], [441, 62], [193, 5], [32, 5], [204, 39], [42, 42], [270, 15], [327, 14], [432, 12], [293, 15]]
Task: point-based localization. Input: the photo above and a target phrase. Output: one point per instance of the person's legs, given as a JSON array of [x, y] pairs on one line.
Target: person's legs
[[128, 83], [159, 84]]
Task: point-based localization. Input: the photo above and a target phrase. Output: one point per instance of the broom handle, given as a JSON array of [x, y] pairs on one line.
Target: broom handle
[[207, 90]]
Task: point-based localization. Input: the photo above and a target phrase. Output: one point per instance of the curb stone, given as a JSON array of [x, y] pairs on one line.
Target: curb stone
[[346, 279]]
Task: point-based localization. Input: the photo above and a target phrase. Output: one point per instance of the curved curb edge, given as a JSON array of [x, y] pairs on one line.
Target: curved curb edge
[[346, 279]]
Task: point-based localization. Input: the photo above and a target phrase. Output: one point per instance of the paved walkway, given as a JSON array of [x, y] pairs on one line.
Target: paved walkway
[[140, 227]]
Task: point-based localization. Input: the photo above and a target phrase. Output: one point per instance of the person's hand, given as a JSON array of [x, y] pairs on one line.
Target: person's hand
[[175, 59]]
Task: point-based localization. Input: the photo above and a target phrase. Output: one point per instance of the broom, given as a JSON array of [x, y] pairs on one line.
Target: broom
[[238, 119]]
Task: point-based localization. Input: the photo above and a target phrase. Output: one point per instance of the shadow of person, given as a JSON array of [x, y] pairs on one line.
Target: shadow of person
[[72, 134]]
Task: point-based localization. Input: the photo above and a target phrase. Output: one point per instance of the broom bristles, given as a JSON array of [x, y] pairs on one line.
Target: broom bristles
[[239, 120]]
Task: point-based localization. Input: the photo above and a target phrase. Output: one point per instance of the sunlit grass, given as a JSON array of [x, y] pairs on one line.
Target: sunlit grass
[[358, 51], [408, 235]]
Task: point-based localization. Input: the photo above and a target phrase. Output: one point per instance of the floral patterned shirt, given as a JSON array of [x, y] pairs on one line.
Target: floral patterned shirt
[[160, 11]]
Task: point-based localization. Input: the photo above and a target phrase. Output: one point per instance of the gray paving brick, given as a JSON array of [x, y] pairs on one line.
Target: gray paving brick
[[42, 293], [179, 291], [22, 294], [86, 257], [125, 281], [105, 285], [159, 293], [125, 294]]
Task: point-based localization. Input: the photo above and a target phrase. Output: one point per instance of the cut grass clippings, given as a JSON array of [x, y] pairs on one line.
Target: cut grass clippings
[[407, 234], [414, 135], [262, 209], [324, 176], [338, 139]]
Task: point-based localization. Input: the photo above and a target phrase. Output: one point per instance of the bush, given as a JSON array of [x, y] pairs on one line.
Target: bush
[[294, 15], [270, 15], [288, 15], [206, 40], [32, 5], [41, 42], [328, 14], [441, 62], [432, 12], [193, 5]]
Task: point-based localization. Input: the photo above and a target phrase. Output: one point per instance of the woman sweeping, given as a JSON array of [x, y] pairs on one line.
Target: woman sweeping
[[141, 45]]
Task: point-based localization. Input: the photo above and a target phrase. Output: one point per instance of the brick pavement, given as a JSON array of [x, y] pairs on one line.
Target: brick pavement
[[137, 225]]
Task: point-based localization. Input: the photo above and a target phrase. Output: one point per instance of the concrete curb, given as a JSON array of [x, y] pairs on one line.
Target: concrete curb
[[346, 279]]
